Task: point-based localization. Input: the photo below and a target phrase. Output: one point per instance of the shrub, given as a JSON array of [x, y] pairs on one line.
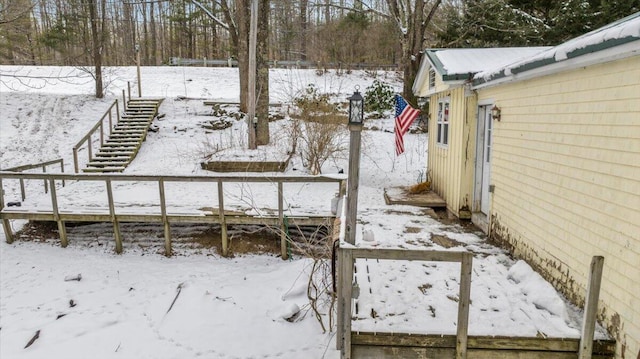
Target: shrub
[[320, 130], [378, 98]]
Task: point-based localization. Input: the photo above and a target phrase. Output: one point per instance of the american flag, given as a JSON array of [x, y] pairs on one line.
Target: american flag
[[405, 115]]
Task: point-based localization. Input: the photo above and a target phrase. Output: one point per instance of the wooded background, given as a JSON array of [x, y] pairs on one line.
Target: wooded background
[[57, 32]]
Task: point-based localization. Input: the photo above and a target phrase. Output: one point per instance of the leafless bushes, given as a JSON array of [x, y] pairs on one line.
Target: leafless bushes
[[318, 128]]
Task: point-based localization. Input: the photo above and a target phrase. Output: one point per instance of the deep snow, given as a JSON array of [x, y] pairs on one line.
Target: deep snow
[[229, 308]]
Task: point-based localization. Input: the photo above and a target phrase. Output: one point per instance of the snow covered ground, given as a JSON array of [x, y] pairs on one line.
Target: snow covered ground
[[228, 308]]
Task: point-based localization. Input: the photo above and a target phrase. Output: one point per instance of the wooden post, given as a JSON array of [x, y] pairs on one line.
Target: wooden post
[[62, 230], [75, 160], [90, 145], [102, 132], [117, 111], [251, 90], [463, 306], [8, 234], [591, 308], [124, 101], [223, 222], [44, 170], [340, 310], [23, 192], [165, 221], [62, 170], [111, 117], [114, 219], [354, 175], [138, 70], [347, 293], [283, 229], [128, 93]]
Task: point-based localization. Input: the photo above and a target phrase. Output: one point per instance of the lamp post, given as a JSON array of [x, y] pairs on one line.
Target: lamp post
[[356, 119]]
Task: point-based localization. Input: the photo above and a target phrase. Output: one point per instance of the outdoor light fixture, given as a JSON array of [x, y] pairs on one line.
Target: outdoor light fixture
[[495, 112], [255, 122], [356, 108]]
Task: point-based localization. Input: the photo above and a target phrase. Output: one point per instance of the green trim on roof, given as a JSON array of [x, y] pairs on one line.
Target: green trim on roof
[[589, 49], [458, 77], [433, 59], [601, 46], [533, 65], [432, 55]]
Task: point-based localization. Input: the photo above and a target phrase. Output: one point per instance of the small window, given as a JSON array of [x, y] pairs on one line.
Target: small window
[[443, 122], [432, 78]]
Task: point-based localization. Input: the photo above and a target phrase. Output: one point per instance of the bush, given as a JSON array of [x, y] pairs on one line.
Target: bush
[[378, 98], [320, 130]]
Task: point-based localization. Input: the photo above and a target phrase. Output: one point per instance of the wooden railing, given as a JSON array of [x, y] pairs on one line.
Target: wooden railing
[[88, 137], [388, 345], [42, 165], [165, 216], [346, 260]]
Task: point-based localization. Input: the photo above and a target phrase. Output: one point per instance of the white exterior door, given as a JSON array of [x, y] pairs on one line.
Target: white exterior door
[[483, 158]]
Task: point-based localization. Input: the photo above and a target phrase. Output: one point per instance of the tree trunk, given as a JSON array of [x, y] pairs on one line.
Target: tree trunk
[[304, 24], [262, 78], [242, 18], [97, 47]]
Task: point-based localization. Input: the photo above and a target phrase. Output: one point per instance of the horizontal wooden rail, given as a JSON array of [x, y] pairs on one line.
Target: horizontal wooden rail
[[171, 178], [87, 138], [35, 165], [382, 345], [43, 165], [109, 213]]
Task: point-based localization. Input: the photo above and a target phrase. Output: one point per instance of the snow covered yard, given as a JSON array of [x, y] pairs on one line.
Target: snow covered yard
[[233, 308]]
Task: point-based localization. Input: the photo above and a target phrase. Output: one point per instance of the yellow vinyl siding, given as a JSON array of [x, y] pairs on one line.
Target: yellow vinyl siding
[[451, 165], [566, 170]]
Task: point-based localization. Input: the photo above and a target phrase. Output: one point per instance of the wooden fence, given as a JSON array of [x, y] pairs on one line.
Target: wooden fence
[[461, 346], [88, 137], [43, 165], [346, 260], [165, 216]]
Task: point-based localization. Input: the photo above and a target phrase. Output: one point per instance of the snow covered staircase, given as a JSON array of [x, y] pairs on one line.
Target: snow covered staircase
[[127, 136]]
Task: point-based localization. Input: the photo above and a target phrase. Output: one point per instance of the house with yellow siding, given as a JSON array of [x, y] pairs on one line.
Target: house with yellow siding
[[545, 154]]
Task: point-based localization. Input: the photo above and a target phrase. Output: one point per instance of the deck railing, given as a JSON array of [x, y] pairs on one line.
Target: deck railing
[[346, 260], [88, 139], [28, 167], [165, 216]]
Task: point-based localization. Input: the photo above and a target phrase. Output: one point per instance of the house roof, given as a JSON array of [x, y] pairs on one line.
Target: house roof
[[616, 40], [463, 64]]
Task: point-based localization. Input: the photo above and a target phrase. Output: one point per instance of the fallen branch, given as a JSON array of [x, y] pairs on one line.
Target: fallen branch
[[179, 289], [35, 337]]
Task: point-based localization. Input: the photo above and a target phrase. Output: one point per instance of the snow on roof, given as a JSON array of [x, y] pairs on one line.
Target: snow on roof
[[618, 33], [450, 62]]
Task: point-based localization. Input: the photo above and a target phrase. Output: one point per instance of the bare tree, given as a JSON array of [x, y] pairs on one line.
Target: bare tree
[[412, 19]]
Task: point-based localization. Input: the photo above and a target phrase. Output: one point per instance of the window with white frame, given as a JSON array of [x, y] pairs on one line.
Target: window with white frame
[[443, 122]]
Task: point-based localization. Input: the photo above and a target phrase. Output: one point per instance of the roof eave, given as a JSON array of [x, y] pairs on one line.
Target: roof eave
[[596, 54]]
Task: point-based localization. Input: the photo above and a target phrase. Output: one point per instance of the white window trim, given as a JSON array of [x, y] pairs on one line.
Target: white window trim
[[440, 121]]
